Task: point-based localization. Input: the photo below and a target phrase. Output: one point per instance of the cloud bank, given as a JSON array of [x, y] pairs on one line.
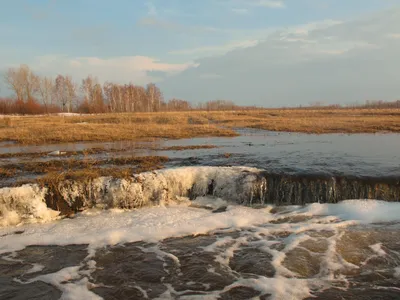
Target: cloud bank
[[330, 61], [136, 69]]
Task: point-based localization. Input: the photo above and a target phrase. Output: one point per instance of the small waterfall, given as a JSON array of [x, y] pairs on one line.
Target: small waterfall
[[239, 185]]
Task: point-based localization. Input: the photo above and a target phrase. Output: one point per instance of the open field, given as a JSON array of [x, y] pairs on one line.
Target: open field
[[175, 125], [314, 120]]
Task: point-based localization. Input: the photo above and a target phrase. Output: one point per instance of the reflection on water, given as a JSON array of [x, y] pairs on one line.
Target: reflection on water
[[337, 154]]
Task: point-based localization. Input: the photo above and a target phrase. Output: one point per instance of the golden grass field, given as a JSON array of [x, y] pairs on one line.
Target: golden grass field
[[175, 125]]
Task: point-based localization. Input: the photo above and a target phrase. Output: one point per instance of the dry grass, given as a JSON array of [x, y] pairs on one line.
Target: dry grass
[[7, 172], [55, 171], [107, 127], [314, 121], [136, 163], [175, 125]]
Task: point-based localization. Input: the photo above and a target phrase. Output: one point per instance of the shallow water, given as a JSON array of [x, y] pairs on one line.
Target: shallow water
[[294, 153], [336, 154]]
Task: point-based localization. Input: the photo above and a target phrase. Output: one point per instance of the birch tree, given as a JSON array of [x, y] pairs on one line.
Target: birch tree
[[46, 87], [23, 82]]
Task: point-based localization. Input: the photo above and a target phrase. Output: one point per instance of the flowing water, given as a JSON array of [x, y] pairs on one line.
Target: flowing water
[[286, 226]]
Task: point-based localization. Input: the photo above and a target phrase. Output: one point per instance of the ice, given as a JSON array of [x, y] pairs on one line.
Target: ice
[[209, 202], [24, 204], [162, 187], [57, 153]]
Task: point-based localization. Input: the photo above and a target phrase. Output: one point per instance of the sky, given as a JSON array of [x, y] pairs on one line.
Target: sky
[[254, 52]]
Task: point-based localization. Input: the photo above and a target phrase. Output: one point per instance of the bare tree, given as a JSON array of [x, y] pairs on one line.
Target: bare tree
[[93, 94], [46, 87], [70, 88], [23, 82], [154, 97], [178, 105], [110, 95], [60, 92], [87, 88]]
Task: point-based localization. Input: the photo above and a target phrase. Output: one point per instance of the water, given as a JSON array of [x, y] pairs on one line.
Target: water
[[275, 229], [336, 154], [373, 155], [342, 251]]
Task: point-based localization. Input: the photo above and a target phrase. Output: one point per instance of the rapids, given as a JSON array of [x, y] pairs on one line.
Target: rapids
[[208, 248]]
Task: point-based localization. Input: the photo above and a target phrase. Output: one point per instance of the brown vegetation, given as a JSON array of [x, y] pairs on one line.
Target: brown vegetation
[[175, 125], [340, 120], [7, 172], [53, 171], [106, 127], [43, 167]]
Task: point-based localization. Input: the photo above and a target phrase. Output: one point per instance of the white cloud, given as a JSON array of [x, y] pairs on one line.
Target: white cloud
[[337, 62], [216, 49], [119, 69]]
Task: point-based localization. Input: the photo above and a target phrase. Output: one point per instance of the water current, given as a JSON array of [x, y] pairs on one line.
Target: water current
[[302, 220]]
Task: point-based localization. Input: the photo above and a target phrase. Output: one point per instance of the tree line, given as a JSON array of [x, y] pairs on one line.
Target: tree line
[[34, 94]]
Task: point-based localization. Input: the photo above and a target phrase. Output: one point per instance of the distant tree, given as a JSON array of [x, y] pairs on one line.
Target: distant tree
[[178, 105], [65, 92], [154, 97], [23, 82], [46, 87], [93, 94]]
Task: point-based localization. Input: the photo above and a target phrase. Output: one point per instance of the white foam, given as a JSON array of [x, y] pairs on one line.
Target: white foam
[[70, 283], [377, 248], [100, 228], [35, 268], [364, 211], [278, 287]]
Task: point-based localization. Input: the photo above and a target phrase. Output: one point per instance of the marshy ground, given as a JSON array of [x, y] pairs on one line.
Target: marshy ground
[[177, 125]]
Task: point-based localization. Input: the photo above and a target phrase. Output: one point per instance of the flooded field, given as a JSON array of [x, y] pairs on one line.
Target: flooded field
[[293, 153], [258, 216]]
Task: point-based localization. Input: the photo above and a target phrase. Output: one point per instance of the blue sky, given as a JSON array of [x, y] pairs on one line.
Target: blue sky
[[143, 41]]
